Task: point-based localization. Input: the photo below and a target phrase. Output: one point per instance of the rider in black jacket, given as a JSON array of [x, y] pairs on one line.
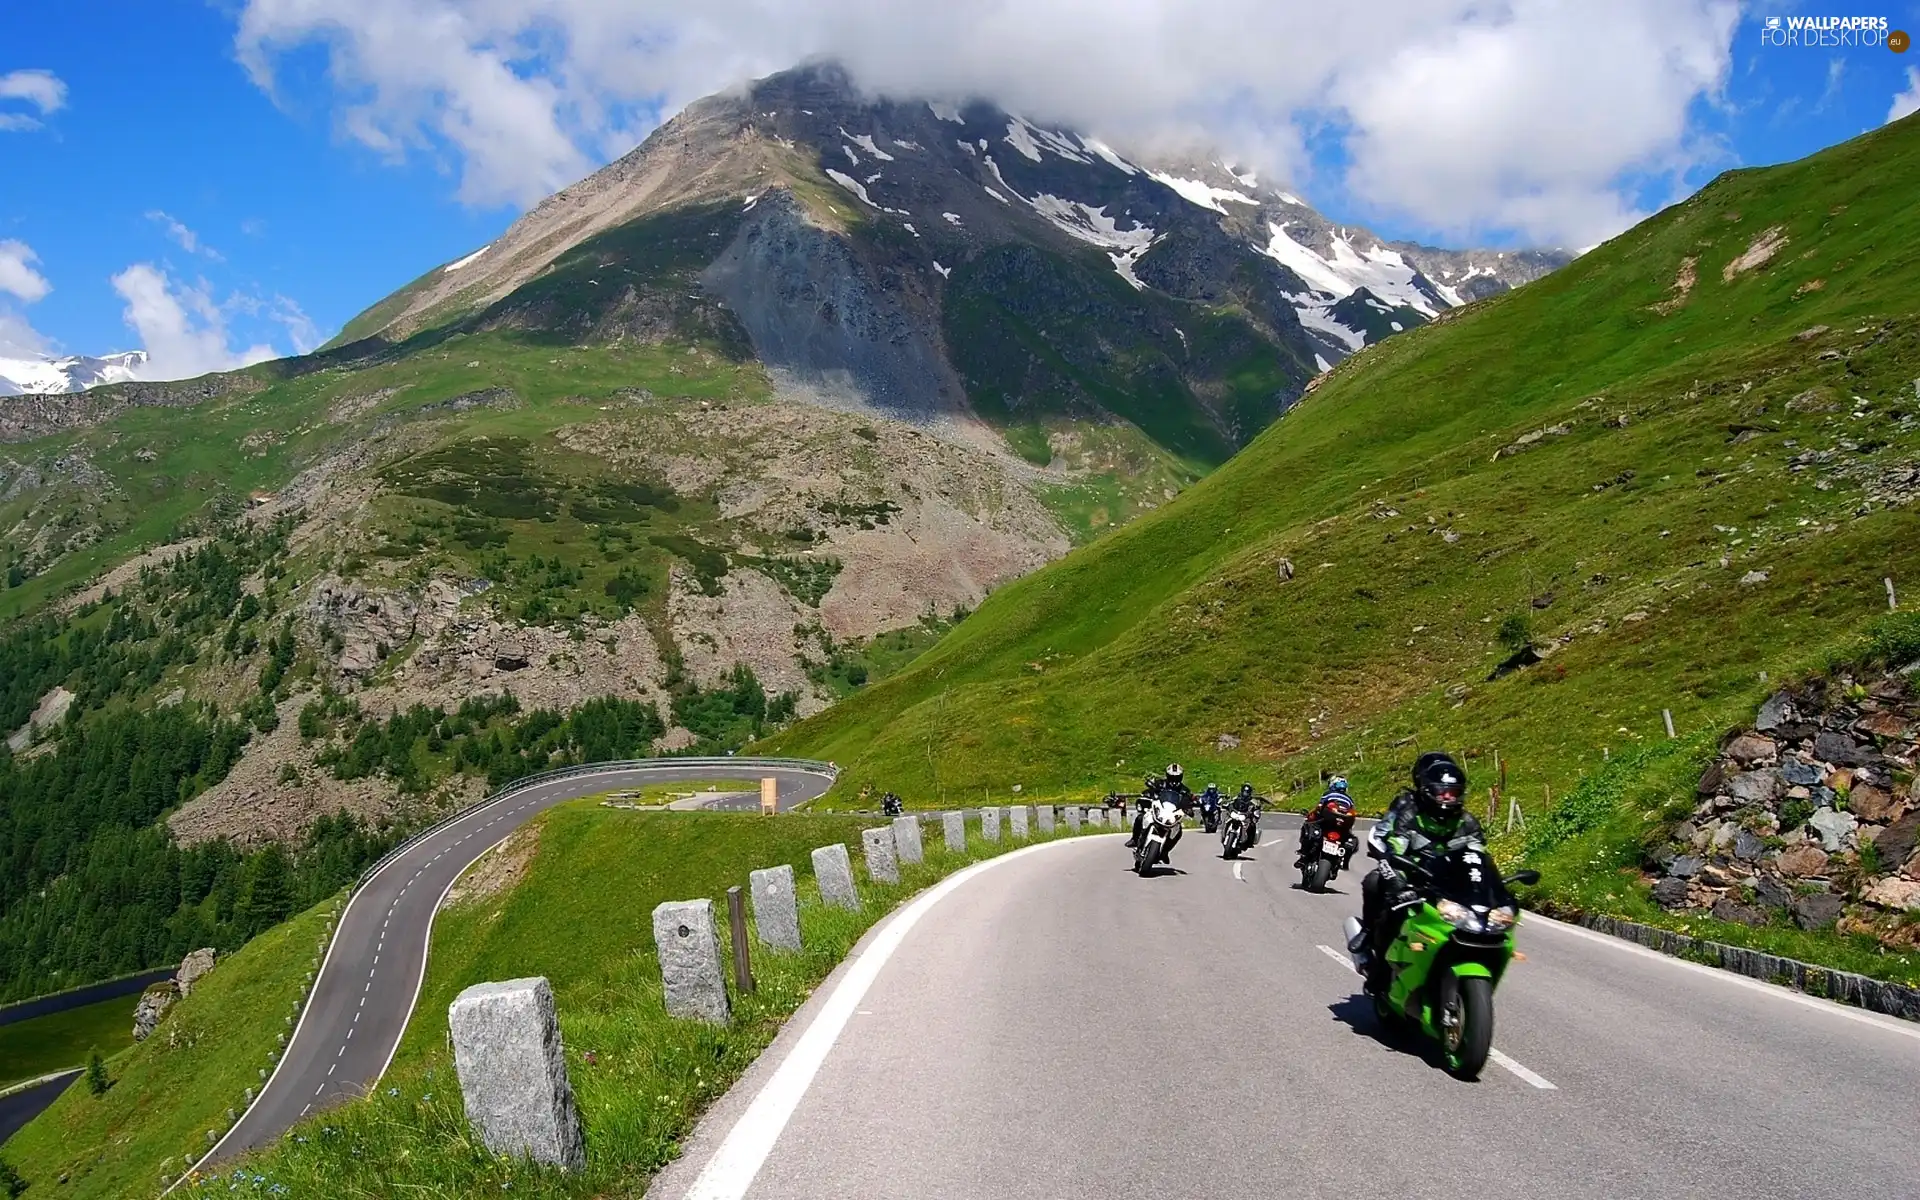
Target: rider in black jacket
[[1435, 806]]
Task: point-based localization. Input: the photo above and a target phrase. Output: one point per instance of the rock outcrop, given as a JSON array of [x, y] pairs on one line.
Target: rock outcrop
[[1811, 815], [158, 1000]]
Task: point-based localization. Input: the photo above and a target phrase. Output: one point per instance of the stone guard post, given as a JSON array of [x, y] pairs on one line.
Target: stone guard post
[[513, 1072], [833, 871], [954, 825], [906, 839], [990, 824], [775, 916], [689, 947], [883, 861]]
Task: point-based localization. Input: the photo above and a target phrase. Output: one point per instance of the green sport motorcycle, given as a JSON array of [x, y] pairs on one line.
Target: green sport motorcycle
[[1452, 949]]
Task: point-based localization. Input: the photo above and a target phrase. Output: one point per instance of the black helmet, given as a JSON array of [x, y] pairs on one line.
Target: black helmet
[[1439, 786], [1246, 789]]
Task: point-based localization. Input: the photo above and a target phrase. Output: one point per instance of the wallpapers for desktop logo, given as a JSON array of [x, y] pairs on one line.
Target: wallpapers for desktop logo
[[1833, 33]]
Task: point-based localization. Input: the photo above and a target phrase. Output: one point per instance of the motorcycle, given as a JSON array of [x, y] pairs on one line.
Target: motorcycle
[[1210, 811], [1452, 949], [1157, 834], [1328, 855], [892, 805], [1236, 832]]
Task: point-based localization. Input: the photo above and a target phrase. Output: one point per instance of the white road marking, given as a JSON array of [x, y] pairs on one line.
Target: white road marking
[[334, 1067], [1271, 842], [1522, 1072], [1237, 874], [731, 1170], [1344, 959], [1904, 1028]]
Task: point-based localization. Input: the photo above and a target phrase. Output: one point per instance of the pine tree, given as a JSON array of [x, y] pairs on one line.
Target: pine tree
[[97, 1081]]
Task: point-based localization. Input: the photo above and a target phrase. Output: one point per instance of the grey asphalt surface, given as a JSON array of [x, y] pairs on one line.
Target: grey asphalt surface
[[1061, 1028], [371, 977]]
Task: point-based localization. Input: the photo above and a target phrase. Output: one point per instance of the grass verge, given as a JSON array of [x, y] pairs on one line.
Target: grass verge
[[30, 1049], [582, 917], [169, 1090]]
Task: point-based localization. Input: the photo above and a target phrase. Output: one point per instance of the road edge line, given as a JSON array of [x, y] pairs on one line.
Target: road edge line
[[1861, 1015], [735, 1163]]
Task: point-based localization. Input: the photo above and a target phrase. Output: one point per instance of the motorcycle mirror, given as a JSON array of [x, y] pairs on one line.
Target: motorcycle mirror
[[1524, 877]]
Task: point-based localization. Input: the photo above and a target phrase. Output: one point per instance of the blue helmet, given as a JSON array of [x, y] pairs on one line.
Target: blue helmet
[[1337, 785]]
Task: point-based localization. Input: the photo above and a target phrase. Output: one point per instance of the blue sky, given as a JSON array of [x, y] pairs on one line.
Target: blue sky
[[270, 199]]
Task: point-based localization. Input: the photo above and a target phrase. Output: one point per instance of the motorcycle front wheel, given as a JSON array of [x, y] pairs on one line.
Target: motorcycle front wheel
[[1466, 1024]]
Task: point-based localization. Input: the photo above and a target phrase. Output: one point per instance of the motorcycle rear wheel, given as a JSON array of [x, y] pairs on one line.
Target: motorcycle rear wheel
[[1466, 1032]]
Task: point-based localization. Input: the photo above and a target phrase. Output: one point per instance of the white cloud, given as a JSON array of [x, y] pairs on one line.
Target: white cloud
[[17, 275], [301, 331], [42, 89], [182, 330], [1907, 103], [185, 238], [1528, 115]]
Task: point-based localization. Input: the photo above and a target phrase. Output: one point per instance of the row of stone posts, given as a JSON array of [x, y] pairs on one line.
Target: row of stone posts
[[506, 1036]]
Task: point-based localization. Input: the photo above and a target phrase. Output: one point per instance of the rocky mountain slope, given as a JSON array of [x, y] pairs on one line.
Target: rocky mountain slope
[[928, 261]]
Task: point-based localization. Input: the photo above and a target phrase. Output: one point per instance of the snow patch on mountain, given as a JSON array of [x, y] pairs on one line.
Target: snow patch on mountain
[[865, 142], [1315, 314], [1092, 225], [1204, 194], [860, 189], [946, 112], [451, 267], [1106, 152], [73, 373], [1378, 269]]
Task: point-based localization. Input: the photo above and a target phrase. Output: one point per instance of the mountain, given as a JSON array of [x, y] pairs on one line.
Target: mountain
[[727, 432], [937, 262], [1653, 485], [74, 373]]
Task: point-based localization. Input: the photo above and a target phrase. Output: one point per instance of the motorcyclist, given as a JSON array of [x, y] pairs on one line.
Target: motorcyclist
[[1172, 787], [1335, 808], [1435, 806], [1247, 801], [1210, 802]]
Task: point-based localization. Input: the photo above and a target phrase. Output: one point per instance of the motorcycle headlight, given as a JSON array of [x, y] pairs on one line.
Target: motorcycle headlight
[[1459, 914], [1502, 917]]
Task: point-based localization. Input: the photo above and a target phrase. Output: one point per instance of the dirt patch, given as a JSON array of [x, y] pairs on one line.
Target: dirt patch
[[499, 870], [1767, 244], [1683, 281]]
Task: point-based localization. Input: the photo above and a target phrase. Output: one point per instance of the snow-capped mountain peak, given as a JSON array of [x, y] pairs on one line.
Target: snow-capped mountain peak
[[41, 375]]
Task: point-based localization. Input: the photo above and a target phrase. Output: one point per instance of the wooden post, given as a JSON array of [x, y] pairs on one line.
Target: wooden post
[[737, 920], [1892, 604], [1666, 715], [769, 796]]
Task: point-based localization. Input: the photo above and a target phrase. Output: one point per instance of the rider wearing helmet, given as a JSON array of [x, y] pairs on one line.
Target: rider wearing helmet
[[1171, 786], [1335, 807], [1435, 806], [1246, 800]]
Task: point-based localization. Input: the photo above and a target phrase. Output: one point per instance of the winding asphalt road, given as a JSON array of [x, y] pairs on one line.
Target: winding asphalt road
[[1054, 1026], [371, 976]]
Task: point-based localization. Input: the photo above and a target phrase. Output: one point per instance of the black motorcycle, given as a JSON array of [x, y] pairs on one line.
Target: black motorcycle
[[892, 805], [1328, 854], [1241, 826], [1210, 811]]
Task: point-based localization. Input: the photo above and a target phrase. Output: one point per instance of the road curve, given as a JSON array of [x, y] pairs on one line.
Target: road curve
[[371, 975], [1067, 1029]]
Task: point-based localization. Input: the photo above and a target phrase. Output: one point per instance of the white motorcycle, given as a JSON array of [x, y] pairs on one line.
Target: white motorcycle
[[1159, 831]]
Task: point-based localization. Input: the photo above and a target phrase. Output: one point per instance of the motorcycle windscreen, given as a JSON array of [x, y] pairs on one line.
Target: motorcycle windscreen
[[1470, 877]]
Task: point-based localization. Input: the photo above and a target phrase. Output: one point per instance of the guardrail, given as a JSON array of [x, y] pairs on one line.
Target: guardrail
[[541, 778]]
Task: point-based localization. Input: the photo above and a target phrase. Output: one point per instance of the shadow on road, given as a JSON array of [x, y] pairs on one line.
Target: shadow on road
[[1356, 1013], [1329, 890]]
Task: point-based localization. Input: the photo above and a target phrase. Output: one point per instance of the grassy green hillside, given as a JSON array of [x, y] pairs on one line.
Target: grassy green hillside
[[1682, 461], [170, 1090]]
